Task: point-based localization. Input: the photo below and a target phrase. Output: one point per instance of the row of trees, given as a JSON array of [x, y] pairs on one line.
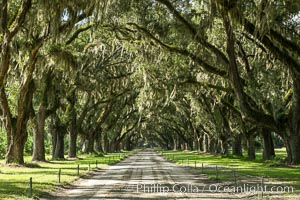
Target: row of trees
[[229, 70], [63, 73], [205, 75]]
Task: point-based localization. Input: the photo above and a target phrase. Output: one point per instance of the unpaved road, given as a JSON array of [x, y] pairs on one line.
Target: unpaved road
[[147, 175]]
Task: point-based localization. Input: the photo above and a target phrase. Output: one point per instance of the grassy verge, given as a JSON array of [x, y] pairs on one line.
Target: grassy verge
[[14, 179], [271, 169]]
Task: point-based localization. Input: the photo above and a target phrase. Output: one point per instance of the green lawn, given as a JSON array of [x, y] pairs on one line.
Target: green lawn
[[14, 180], [269, 169]]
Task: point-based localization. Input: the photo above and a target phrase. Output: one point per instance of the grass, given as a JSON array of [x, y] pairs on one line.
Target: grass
[[14, 179], [271, 169]]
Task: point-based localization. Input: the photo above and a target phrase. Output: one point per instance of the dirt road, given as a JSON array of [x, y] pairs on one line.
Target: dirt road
[[147, 175]]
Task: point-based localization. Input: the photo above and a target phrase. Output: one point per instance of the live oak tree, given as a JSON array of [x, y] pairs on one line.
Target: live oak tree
[[184, 74], [197, 21]]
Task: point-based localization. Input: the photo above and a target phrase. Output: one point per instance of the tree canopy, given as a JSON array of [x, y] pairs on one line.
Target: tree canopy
[[102, 76]]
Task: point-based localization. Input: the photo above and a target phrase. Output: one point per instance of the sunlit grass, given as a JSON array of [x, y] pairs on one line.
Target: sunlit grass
[[270, 169], [14, 180]]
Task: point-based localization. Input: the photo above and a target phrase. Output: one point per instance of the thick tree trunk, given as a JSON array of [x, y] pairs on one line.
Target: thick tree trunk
[[116, 146], [106, 143], [15, 150], [54, 141], [178, 143], [57, 133], [38, 136], [212, 145], [73, 126], [73, 137], [128, 144], [88, 145], [206, 143], [294, 123], [16, 127], [39, 129], [175, 144], [91, 144], [198, 142], [98, 141], [224, 148], [293, 149], [268, 147], [237, 149], [59, 147], [218, 149], [251, 146]]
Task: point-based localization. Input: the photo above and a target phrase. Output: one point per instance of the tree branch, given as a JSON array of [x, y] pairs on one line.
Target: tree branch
[[194, 32], [20, 18], [184, 52], [76, 34]]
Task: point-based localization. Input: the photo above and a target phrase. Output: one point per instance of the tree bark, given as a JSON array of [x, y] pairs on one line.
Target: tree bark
[[88, 145], [57, 133], [294, 123], [15, 151], [98, 141], [59, 151], [251, 146], [106, 143], [38, 136], [212, 145], [174, 144], [73, 126], [268, 146], [237, 149], [224, 147], [54, 141], [293, 149], [16, 127], [73, 136], [205, 143]]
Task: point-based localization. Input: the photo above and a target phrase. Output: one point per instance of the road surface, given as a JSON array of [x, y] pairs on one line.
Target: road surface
[[147, 175]]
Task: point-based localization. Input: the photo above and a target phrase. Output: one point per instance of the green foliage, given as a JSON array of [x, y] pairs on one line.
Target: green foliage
[[29, 145], [3, 144], [153, 70]]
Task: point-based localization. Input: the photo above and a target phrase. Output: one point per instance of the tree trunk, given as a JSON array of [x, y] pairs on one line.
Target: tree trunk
[[205, 143], [57, 133], [200, 141], [98, 140], [293, 149], [73, 137], [218, 149], [128, 144], [294, 123], [224, 148], [175, 144], [268, 147], [237, 149], [117, 146], [106, 143], [91, 144], [16, 127], [251, 146], [38, 136], [15, 150], [88, 145], [54, 141], [60, 147], [212, 145], [198, 145]]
